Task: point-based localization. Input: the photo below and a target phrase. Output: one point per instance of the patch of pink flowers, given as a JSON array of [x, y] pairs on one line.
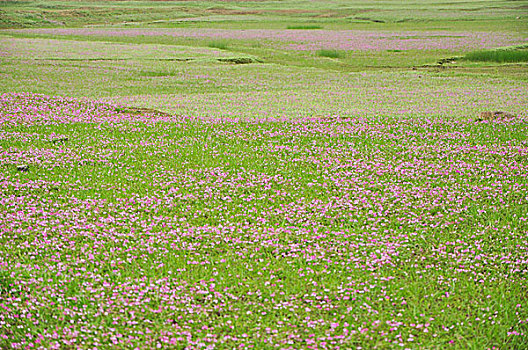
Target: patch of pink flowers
[[152, 231], [311, 40]]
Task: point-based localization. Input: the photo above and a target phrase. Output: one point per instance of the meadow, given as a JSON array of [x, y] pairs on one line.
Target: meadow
[[260, 174]]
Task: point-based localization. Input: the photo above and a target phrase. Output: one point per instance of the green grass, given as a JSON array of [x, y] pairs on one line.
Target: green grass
[[330, 53], [219, 44], [486, 15], [304, 27], [499, 56]]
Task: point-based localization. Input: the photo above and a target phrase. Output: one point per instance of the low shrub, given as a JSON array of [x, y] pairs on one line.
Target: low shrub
[[330, 53], [219, 44]]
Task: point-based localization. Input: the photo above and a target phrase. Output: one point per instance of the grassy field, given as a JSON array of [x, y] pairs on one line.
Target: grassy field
[[262, 174]]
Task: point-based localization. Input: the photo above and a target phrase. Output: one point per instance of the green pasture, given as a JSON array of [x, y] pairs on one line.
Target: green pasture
[[503, 15]]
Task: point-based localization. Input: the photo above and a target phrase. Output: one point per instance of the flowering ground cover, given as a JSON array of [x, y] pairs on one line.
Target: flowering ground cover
[[155, 231], [353, 49], [311, 40], [202, 175], [87, 50], [158, 76]]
